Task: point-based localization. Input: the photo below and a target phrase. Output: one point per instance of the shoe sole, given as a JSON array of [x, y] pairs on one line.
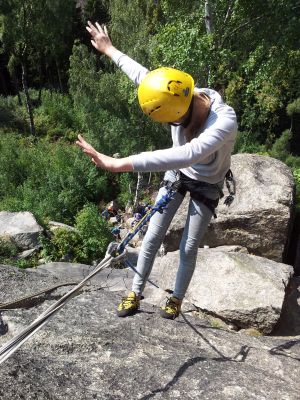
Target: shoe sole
[[168, 316], [125, 313]]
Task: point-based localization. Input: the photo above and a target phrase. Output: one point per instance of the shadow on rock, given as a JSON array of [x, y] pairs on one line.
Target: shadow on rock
[[289, 321], [284, 349], [238, 358]]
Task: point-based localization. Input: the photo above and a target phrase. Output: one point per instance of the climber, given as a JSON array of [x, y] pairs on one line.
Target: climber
[[203, 132]]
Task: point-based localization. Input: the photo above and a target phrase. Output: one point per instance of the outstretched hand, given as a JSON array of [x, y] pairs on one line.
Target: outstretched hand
[[100, 39], [91, 152], [103, 161]]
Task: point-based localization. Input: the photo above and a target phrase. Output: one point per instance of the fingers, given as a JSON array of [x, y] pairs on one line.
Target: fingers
[[93, 30], [81, 142], [91, 26], [86, 147], [80, 139], [99, 27], [88, 150]]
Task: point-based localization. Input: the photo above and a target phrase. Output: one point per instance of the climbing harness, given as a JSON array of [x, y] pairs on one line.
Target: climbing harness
[[114, 254], [197, 190]]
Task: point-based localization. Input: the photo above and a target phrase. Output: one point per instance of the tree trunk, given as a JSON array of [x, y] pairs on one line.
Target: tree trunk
[[207, 17], [208, 24], [138, 188], [59, 76], [27, 100]]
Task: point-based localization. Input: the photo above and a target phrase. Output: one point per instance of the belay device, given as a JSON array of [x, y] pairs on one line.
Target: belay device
[[114, 254]]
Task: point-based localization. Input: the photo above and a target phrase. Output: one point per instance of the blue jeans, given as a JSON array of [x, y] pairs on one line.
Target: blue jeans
[[196, 224]]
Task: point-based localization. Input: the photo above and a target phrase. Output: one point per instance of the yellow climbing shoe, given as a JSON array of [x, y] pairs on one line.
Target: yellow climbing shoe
[[129, 305], [171, 309]]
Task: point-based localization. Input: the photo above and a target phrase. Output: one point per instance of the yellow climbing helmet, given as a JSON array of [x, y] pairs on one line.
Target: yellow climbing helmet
[[165, 94]]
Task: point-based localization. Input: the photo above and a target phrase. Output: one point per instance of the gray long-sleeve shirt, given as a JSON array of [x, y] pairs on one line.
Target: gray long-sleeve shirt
[[206, 157]]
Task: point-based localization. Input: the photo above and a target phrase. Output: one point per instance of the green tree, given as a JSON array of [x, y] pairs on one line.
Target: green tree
[[95, 10], [243, 56], [34, 32], [19, 32]]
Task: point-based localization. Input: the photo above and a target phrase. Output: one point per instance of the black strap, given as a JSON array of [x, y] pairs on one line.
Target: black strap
[[186, 184], [231, 187], [209, 203]]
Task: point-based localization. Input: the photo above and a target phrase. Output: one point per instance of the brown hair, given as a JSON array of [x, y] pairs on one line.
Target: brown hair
[[201, 108]]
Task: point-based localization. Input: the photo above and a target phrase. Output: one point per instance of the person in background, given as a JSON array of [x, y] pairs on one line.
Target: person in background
[[203, 130], [116, 230]]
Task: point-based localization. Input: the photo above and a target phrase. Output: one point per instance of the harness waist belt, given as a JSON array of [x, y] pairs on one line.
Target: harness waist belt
[[183, 188]]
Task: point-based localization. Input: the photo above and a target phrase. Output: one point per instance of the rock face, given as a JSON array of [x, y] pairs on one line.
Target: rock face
[[86, 352], [21, 227], [243, 289], [259, 218]]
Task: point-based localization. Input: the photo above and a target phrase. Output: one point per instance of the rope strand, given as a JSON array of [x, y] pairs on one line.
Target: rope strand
[[114, 254]]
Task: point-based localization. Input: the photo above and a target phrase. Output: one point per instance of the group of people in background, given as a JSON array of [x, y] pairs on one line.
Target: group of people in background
[[124, 220]]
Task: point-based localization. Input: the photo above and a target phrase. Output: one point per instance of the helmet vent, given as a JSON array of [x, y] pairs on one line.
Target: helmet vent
[[154, 109], [173, 86], [186, 91]]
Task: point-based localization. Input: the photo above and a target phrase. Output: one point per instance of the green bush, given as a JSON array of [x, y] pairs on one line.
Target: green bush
[[94, 231], [87, 243], [8, 255], [63, 245], [12, 171], [12, 115], [52, 180], [247, 143], [58, 107], [25, 263], [126, 184], [8, 249], [293, 107], [296, 174], [281, 147]]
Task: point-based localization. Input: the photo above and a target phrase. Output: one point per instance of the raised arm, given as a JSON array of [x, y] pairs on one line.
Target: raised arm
[[101, 41], [103, 161]]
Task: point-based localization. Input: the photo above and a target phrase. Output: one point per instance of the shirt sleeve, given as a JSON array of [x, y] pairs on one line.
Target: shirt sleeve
[[135, 71], [196, 151]]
